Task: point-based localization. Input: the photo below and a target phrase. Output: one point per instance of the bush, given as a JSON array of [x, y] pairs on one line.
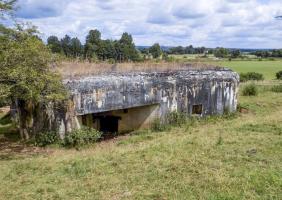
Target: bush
[[250, 90], [251, 76], [277, 88], [46, 138], [279, 75], [81, 137]]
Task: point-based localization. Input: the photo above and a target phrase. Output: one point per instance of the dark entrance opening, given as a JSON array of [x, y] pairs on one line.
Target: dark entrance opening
[[84, 120], [109, 124], [197, 109]]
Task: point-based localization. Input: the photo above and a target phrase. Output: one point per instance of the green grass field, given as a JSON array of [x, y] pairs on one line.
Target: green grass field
[[267, 68], [218, 158]]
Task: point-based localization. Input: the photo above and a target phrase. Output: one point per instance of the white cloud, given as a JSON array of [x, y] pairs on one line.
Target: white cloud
[[230, 23]]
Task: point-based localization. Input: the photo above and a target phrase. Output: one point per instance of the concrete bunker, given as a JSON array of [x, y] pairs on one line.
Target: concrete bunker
[[125, 101], [122, 102]]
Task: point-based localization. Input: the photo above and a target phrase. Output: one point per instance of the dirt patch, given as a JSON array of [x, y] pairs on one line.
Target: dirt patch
[[11, 149], [244, 110]]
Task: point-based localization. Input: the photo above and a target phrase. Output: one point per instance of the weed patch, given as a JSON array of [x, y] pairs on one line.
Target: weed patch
[[219, 140], [80, 137], [159, 126], [46, 138], [277, 88], [176, 119], [250, 90]]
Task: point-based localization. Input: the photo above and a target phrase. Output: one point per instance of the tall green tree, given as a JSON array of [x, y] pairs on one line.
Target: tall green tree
[[76, 47], [235, 53], [92, 44], [66, 45], [93, 37], [221, 52], [107, 50], [26, 77], [54, 44], [126, 48], [156, 50]]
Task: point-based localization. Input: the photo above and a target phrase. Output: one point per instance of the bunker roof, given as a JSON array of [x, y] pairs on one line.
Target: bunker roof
[[191, 75], [87, 71]]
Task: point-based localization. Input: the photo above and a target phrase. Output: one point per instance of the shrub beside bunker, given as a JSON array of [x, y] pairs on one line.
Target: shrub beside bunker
[[250, 90], [251, 76], [79, 137]]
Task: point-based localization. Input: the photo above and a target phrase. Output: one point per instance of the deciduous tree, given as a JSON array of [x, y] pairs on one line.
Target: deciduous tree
[[93, 43], [76, 47], [26, 77], [127, 50], [54, 44], [221, 52], [156, 50], [66, 45]]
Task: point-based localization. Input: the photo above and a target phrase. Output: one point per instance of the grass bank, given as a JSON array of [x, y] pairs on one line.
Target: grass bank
[[229, 158]]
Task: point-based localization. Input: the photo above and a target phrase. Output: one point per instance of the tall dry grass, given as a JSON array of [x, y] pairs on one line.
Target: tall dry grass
[[78, 69]]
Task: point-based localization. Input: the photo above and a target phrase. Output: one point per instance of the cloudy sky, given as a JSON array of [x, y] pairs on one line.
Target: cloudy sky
[[210, 23]]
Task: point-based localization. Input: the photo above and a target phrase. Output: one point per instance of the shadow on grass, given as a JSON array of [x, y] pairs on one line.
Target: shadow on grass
[[10, 133], [11, 146]]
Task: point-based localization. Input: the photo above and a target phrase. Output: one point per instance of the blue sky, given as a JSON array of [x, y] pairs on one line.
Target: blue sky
[[210, 23]]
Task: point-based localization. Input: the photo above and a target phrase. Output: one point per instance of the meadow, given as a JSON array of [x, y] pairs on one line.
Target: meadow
[[266, 67], [231, 157]]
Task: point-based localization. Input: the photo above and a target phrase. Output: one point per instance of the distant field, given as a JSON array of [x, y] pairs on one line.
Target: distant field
[[267, 68]]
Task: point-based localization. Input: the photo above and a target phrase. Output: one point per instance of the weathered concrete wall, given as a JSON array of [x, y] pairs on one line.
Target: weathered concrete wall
[[145, 96], [215, 90]]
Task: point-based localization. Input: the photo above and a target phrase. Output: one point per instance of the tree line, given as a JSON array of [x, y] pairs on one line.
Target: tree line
[[124, 49], [276, 53], [187, 50], [218, 52], [95, 48]]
